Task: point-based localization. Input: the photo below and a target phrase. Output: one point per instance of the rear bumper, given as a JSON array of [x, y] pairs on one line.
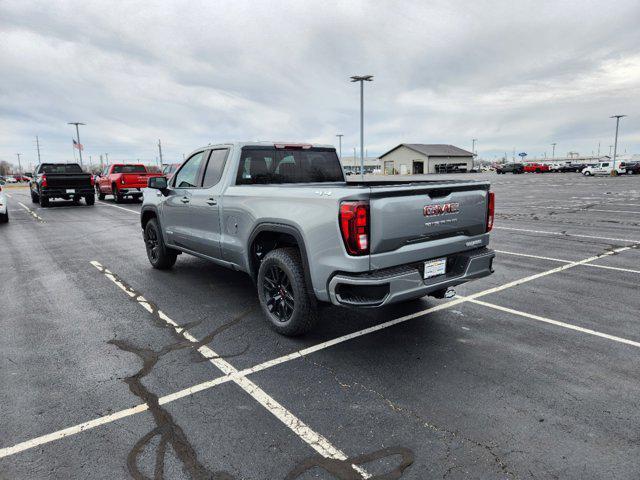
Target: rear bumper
[[62, 192], [131, 190], [405, 282]]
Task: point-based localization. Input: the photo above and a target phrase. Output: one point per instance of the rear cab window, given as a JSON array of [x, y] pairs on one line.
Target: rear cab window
[[60, 168], [129, 169], [269, 165]]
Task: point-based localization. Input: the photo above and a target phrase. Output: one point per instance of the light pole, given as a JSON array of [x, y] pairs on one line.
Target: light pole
[[473, 151], [615, 143], [553, 151], [19, 166], [362, 79], [340, 135], [78, 138]]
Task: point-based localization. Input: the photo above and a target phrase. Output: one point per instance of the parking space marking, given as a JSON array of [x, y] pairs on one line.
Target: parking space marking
[[564, 234], [31, 212], [570, 326], [607, 267], [137, 212], [316, 441], [9, 195], [236, 375]]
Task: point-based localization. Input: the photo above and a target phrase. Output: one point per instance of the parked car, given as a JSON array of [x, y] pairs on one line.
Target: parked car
[[604, 168], [536, 167], [123, 180], [61, 180], [633, 168], [285, 215], [572, 167], [4, 208], [11, 179], [510, 168], [169, 169]]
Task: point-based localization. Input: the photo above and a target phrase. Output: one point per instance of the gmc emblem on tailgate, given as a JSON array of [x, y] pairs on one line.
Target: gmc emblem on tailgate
[[436, 210]]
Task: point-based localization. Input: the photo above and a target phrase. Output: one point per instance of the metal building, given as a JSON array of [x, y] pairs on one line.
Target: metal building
[[418, 158]]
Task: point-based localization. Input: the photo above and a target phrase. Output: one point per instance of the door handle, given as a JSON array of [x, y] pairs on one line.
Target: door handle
[[212, 201], [184, 199]]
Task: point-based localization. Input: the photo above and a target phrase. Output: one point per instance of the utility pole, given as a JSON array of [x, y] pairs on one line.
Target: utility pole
[[553, 152], [598, 149], [473, 151], [101, 164], [19, 165], [160, 152], [340, 135], [38, 147], [354, 159], [362, 79], [106, 155], [78, 138], [615, 143], [90, 164]]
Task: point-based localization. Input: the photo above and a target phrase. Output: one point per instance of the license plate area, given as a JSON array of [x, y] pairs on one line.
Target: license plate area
[[71, 190], [434, 268]]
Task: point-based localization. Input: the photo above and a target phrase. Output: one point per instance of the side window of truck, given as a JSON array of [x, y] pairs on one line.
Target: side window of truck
[[215, 166], [188, 175]]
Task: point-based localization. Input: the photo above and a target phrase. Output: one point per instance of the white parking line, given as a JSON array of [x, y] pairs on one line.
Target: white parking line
[[570, 326], [237, 375], [31, 212], [316, 441], [563, 234], [607, 267], [137, 212]]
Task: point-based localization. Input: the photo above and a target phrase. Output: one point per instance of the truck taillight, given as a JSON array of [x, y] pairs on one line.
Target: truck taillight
[[93, 181], [122, 180], [491, 208], [354, 226], [43, 181]]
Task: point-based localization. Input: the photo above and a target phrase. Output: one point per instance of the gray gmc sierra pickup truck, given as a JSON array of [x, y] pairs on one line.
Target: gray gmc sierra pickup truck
[[284, 214]]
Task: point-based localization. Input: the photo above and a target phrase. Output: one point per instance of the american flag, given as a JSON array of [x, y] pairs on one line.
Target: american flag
[[77, 145]]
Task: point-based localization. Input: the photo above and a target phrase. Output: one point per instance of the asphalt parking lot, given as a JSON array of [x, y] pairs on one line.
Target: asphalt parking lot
[[110, 369]]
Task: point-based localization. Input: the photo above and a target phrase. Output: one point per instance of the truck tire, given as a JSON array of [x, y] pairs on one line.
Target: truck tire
[[159, 255], [76, 199], [283, 293], [90, 199], [116, 195], [44, 202], [4, 217], [34, 197], [99, 193]]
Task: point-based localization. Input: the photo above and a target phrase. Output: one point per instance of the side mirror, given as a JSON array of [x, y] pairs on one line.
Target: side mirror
[[158, 183]]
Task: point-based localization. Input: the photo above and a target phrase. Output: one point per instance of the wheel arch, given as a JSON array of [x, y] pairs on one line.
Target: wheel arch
[[268, 236]]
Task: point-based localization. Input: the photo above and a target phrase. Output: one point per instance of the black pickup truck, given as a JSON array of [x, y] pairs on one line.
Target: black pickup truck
[[61, 180]]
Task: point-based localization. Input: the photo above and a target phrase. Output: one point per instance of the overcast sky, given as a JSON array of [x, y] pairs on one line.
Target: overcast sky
[[512, 74]]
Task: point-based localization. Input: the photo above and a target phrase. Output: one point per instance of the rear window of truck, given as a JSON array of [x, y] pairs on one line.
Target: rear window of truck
[[129, 169], [60, 168], [282, 165]]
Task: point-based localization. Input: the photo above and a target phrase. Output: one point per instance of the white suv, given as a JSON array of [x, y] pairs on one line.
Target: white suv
[[604, 168]]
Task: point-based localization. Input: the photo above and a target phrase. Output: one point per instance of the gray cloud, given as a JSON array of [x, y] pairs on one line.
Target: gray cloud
[[513, 74]]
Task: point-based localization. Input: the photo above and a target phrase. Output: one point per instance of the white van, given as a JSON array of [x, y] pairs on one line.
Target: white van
[[604, 168]]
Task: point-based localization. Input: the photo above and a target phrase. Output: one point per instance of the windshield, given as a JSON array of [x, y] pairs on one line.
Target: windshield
[[129, 169], [60, 168], [288, 165]]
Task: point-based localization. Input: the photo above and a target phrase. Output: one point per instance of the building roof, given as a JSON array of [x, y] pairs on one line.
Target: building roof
[[433, 150]]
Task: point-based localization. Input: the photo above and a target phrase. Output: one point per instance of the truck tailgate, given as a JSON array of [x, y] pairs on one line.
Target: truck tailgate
[[404, 215], [68, 180], [138, 180]]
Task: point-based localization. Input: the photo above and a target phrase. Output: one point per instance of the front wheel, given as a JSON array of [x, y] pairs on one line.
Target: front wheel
[[586, 174], [99, 193], [44, 201], [283, 294], [159, 255]]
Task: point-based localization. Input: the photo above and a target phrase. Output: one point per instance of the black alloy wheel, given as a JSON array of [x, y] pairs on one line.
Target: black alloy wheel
[[279, 296]]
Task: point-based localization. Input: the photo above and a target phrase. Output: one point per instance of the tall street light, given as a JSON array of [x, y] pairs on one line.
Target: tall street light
[[473, 151], [362, 79], [78, 138], [340, 135], [553, 151], [615, 143]]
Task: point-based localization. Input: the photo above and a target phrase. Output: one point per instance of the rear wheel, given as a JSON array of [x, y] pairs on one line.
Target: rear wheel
[[116, 195], [76, 199], [4, 217], [283, 293], [586, 174], [44, 201], [34, 197], [99, 193], [159, 255], [90, 199]]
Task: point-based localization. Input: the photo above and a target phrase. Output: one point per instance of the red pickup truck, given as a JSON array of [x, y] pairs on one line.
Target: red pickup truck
[[536, 167], [123, 180]]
